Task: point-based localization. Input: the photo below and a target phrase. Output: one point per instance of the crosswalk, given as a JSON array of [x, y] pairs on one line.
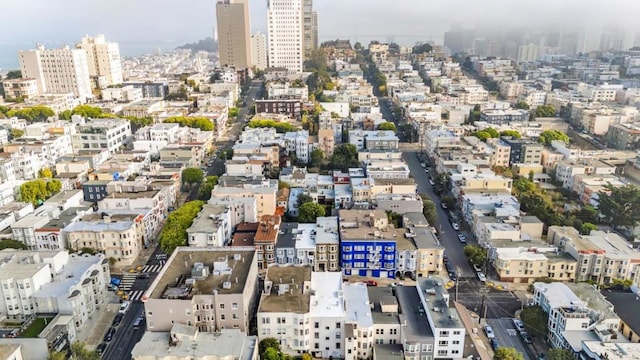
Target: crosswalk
[[151, 268], [136, 295], [127, 281]]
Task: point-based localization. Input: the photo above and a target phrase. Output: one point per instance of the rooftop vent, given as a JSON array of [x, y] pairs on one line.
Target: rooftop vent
[[226, 285]]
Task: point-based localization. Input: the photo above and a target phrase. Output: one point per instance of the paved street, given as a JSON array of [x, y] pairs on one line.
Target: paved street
[[126, 337], [508, 336]]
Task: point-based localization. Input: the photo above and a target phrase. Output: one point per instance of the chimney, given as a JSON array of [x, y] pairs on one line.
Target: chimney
[[106, 219]]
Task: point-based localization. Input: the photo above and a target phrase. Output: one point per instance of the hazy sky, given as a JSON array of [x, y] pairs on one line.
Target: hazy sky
[[145, 21]]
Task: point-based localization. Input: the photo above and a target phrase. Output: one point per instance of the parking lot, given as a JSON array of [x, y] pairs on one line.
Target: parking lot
[[508, 336]]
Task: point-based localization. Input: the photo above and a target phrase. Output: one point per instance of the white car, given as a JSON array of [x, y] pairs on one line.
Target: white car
[[489, 331], [423, 164], [124, 307], [481, 277], [462, 238], [455, 226], [431, 182]]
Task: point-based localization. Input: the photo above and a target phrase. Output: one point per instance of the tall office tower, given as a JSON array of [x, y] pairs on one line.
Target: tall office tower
[[286, 38], [234, 33], [259, 50], [589, 39], [103, 59], [57, 71], [310, 19]]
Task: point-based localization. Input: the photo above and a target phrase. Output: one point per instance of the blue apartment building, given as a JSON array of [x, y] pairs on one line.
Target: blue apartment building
[[367, 243]]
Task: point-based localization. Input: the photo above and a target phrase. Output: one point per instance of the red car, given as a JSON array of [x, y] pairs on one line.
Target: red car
[[371, 283]]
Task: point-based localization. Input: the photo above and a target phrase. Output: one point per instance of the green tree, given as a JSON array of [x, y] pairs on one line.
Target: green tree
[[344, 156], [16, 133], [546, 137], [522, 105], [79, 352], [57, 355], [558, 354], [196, 122], [88, 111], [544, 111], [36, 113], [429, 210], [65, 115], [13, 74], [204, 193], [303, 199], [38, 190], [281, 127], [316, 157], [53, 186], [623, 283], [268, 343], [308, 212], [482, 135], [493, 132], [306, 356], [512, 133], [475, 254], [233, 112], [507, 353], [586, 228], [192, 175], [3, 110], [174, 232], [271, 354], [620, 206], [12, 244], [422, 49], [45, 173], [535, 320], [387, 126]]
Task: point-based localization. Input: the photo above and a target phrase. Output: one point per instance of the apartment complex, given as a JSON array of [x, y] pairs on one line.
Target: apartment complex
[[103, 59], [98, 134], [259, 50], [286, 34], [208, 288], [234, 47], [57, 71]]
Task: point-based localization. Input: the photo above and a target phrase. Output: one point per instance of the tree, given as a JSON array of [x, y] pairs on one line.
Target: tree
[[233, 112], [192, 175], [303, 199], [316, 157], [522, 105], [57, 355], [482, 135], [38, 190], [37, 113], [88, 111], [544, 111], [620, 206], [344, 156], [586, 228], [623, 283], [79, 352], [387, 126], [13, 74], [546, 137], [422, 49], [512, 133], [174, 232], [53, 186], [475, 254], [45, 173], [16, 133], [507, 353], [535, 320], [196, 122], [12, 244], [429, 210], [308, 212], [558, 354], [65, 115], [493, 132], [204, 193], [281, 127]]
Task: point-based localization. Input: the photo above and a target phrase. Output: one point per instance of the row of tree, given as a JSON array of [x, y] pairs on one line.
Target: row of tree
[[38, 190], [281, 127], [491, 133], [174, 232], [197, 122]]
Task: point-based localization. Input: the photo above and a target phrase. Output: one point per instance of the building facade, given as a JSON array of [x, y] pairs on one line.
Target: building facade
[[103, 59], [232, 18], [285, 34]]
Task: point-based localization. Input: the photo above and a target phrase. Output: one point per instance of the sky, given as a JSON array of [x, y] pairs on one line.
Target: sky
[[168, 23]]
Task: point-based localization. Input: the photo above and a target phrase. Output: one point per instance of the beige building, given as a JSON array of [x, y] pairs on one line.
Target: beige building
[[429, 253], [500, 152], [327, 257], [103, 59], [20, 88], [259, 50], [208, 288], [232, 17], [525, 265]]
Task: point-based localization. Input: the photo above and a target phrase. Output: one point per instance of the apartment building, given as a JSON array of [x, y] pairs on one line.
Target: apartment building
[[259, 50], [368, 243], [96, 134], [523, 151], [520, 262], [57, 71], [23, 230], [297, 143], [566, 170], [373, 140], [232, 19], [116, 236], [207, 288], [103, 60], [212, 227], [327, 257], [52, 282], [266, 239], [261, 192], [428, 256], [286, 34], [573, 307], [20, 88], [601, 256]]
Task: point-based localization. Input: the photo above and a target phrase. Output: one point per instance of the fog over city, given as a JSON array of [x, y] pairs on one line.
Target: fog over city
[[404, 21]]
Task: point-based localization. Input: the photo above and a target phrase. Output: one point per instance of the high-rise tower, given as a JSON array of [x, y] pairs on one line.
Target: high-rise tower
[[234, 33], [286, 34]]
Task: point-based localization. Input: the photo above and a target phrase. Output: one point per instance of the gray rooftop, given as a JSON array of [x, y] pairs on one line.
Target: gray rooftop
[[384, 295], [388, 352], [625, 305], [438, 299], [286, 237], [413, 315]]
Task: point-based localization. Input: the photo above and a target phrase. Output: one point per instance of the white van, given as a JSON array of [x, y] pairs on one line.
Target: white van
[[124, 307]]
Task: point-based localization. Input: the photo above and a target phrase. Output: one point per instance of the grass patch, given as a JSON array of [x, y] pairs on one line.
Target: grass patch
[[36, 327]]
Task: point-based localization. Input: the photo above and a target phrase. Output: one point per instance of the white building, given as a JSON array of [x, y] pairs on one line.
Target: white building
[[259, 50], [212, 227], [103, 59], [57, 71], [52, 282], [122, 94], [286, 36], [99, 134], [298, 144]]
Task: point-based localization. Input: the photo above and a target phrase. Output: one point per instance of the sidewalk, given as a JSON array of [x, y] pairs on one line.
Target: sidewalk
[[473, 332], [95, 329]]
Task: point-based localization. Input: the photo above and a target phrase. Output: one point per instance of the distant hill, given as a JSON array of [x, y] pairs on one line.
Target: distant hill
[[206, 44]]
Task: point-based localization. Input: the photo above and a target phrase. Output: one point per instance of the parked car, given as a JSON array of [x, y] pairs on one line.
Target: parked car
[[489, 331], [519, 325], [371, 283], [494, 344], [100, 349], [453, 276], [138, 322], [426, 170], [482, 277], [476, 268], [444, 206], [423, 164], [462, 238], [124, 307], [455, 226], [525, 337], [117, 319], [431, 182], [110, 334]]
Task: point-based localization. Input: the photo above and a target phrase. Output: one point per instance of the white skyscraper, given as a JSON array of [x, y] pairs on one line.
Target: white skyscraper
[[259, 50], [286, 34], [103, 59], [57, 71]]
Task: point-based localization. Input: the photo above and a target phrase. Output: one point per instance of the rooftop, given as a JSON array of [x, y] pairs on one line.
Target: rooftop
[[289, 290], [243, 239], [326, 300], [207, 219], [413, 315], [268, 229], [384, 295], [133, 195], [388, 352], [327, 230], [71, 274], [357, 308], [613, 351], [227, 272], [622, 302], [438, 299], [593, 298], [287, 235]]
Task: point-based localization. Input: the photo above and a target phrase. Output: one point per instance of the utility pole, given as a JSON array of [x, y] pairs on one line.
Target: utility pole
[[457, 278], [483, 310]]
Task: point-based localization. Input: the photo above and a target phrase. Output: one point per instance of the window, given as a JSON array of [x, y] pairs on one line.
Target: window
[[337, 345], [444, 333], [337, 325], [222, 317], [443, 342], [222, 306], [456, 332], [316, 325]]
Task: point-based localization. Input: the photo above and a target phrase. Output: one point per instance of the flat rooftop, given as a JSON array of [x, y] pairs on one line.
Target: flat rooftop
[[613, 351], [206, 219], [133, 195], [388, 352], [289, 290], [593, 298], [235, 264], [378, 295], [417, 327], [438, 301]]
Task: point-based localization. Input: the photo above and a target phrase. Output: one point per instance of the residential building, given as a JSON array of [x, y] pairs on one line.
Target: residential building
[[116, 236], [52, 282], [20, 88], [207, 288], [502, 117], [259, 50], [429, 254], [103, 60], [524, 262], [373, 140], [567, 170], [23, 230], [95, 190], [261, 193], [212, 227], [289, 107], [623, 136], [286, 34], [327, 257], [523, 151], [266, 239], [57, 71], [629, 316], [297, 143], [232, 19], [96, 134], [368, 243]]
